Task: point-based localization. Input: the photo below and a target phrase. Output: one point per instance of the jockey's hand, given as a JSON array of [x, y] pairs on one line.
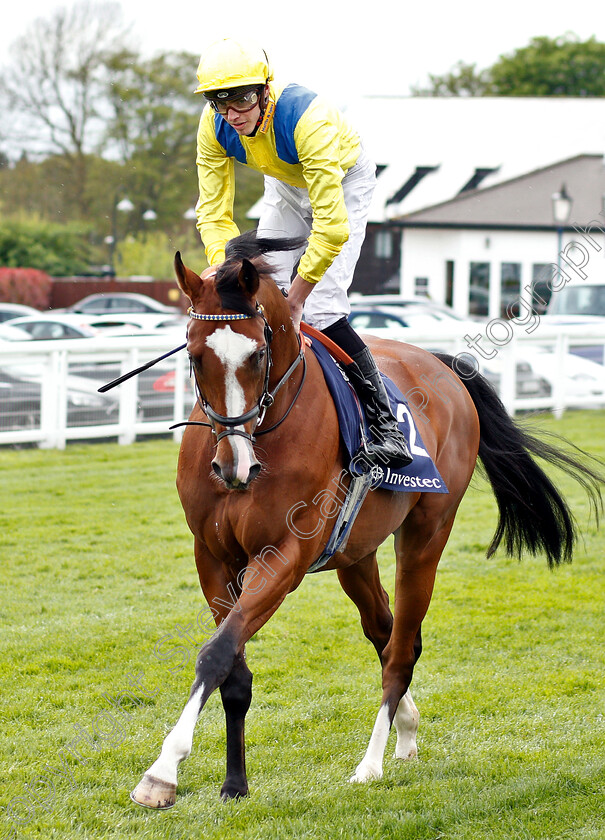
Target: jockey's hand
[[298, 292]]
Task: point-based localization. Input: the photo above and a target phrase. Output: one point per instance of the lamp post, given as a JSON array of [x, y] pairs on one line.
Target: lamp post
[[125, 205], [561, 211]]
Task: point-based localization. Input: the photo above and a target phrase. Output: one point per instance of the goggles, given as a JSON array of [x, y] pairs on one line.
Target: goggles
[[240, 101]]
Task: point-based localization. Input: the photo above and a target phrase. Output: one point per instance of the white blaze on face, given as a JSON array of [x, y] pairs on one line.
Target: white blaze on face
[[232, 350]]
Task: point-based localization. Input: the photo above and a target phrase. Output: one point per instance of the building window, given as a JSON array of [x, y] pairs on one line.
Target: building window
[[421, 286], [510, 289], [478, 293], [383, 244], [541, 278]]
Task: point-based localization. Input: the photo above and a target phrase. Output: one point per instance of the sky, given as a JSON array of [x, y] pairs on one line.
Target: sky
[[342, 49]]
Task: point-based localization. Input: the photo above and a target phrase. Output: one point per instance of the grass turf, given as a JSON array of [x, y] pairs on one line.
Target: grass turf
[[100, 599]]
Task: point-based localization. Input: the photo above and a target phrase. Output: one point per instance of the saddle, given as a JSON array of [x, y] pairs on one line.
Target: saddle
[[419, 476], [422, 474]]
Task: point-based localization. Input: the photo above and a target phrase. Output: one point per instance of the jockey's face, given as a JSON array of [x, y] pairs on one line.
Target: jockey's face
[[243, 123]]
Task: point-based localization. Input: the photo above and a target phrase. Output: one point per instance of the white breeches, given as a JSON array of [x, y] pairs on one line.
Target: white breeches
[[287, 212]]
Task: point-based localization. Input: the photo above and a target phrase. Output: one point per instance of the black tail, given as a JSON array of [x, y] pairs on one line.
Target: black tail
[[532, 513]]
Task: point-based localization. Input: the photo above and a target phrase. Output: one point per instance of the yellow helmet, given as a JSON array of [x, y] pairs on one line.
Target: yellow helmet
[[229, 63]]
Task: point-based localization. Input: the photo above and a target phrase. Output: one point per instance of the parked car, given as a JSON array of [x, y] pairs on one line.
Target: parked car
[[387, 321], [133, 323], [10, 333], [15, 310], [586, 299], [155, 387], [579, 304], [113, 302], [160, 401], [42, 326], [581, 377], [396, 322], [420, 304], [20, 401], [126, 313]]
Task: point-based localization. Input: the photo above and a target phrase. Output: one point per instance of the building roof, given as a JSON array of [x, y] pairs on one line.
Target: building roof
[[431, 148], [525, 201]]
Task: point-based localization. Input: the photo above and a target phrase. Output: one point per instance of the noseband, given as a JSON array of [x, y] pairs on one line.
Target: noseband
[[267, 397]]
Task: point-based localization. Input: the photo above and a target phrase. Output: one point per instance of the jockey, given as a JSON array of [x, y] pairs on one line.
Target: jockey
[[318, 185]]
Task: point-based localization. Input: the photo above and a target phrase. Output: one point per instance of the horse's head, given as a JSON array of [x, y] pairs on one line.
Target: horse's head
[[229, 344]]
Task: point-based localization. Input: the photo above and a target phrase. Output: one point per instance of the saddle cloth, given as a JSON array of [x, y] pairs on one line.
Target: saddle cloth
[[421, 475]]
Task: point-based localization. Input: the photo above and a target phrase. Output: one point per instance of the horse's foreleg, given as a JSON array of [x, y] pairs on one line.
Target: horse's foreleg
[[236, 694], [220, 662], [214, 663]]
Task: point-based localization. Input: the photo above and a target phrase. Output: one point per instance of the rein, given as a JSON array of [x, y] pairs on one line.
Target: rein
[[266, 399]]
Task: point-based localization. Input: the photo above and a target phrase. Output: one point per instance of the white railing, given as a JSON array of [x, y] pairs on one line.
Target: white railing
[[568, 389], [56, 407], [43, 404]]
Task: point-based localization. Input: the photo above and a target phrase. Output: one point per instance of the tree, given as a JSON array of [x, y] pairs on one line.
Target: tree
[[562, 66], [462, 80], [98, 123], [55, 83], [153, 123], [57, 249]]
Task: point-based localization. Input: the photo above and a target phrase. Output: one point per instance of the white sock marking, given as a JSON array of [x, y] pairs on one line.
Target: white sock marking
[[370, 766], [177, 744], [406, 723]]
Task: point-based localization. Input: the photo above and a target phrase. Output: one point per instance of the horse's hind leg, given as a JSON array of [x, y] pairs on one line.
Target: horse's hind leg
[[418, 548], [406, 722], [361, 583]]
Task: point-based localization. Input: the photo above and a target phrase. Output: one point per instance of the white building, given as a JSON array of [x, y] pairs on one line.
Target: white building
[[463, 207]]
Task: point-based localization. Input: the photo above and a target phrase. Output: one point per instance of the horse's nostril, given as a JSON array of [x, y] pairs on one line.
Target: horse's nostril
[[228, 474]]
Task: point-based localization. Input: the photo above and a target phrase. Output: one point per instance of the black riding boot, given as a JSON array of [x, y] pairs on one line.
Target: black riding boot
[[389, 446]]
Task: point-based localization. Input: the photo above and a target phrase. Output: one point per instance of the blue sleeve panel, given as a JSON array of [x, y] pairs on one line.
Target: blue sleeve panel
[[290, 107], [229, 139]]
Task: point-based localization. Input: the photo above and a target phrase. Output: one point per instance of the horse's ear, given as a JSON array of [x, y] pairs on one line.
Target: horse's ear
[[248, 278], [188, 281]]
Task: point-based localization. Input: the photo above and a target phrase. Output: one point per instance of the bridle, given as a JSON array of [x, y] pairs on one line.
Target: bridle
[[267, 397]]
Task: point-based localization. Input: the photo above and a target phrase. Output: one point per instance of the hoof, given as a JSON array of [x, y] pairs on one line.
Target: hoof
[[154, 793], [233, 792], [366, 773], [406, 752]]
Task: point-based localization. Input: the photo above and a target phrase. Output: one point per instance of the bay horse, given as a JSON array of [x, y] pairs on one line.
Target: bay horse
[[261, 509]]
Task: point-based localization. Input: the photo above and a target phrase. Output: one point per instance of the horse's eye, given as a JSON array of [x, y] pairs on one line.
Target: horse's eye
[[258, 356]]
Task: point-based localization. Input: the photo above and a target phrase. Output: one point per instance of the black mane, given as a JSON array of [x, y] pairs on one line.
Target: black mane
[[248, 246]]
